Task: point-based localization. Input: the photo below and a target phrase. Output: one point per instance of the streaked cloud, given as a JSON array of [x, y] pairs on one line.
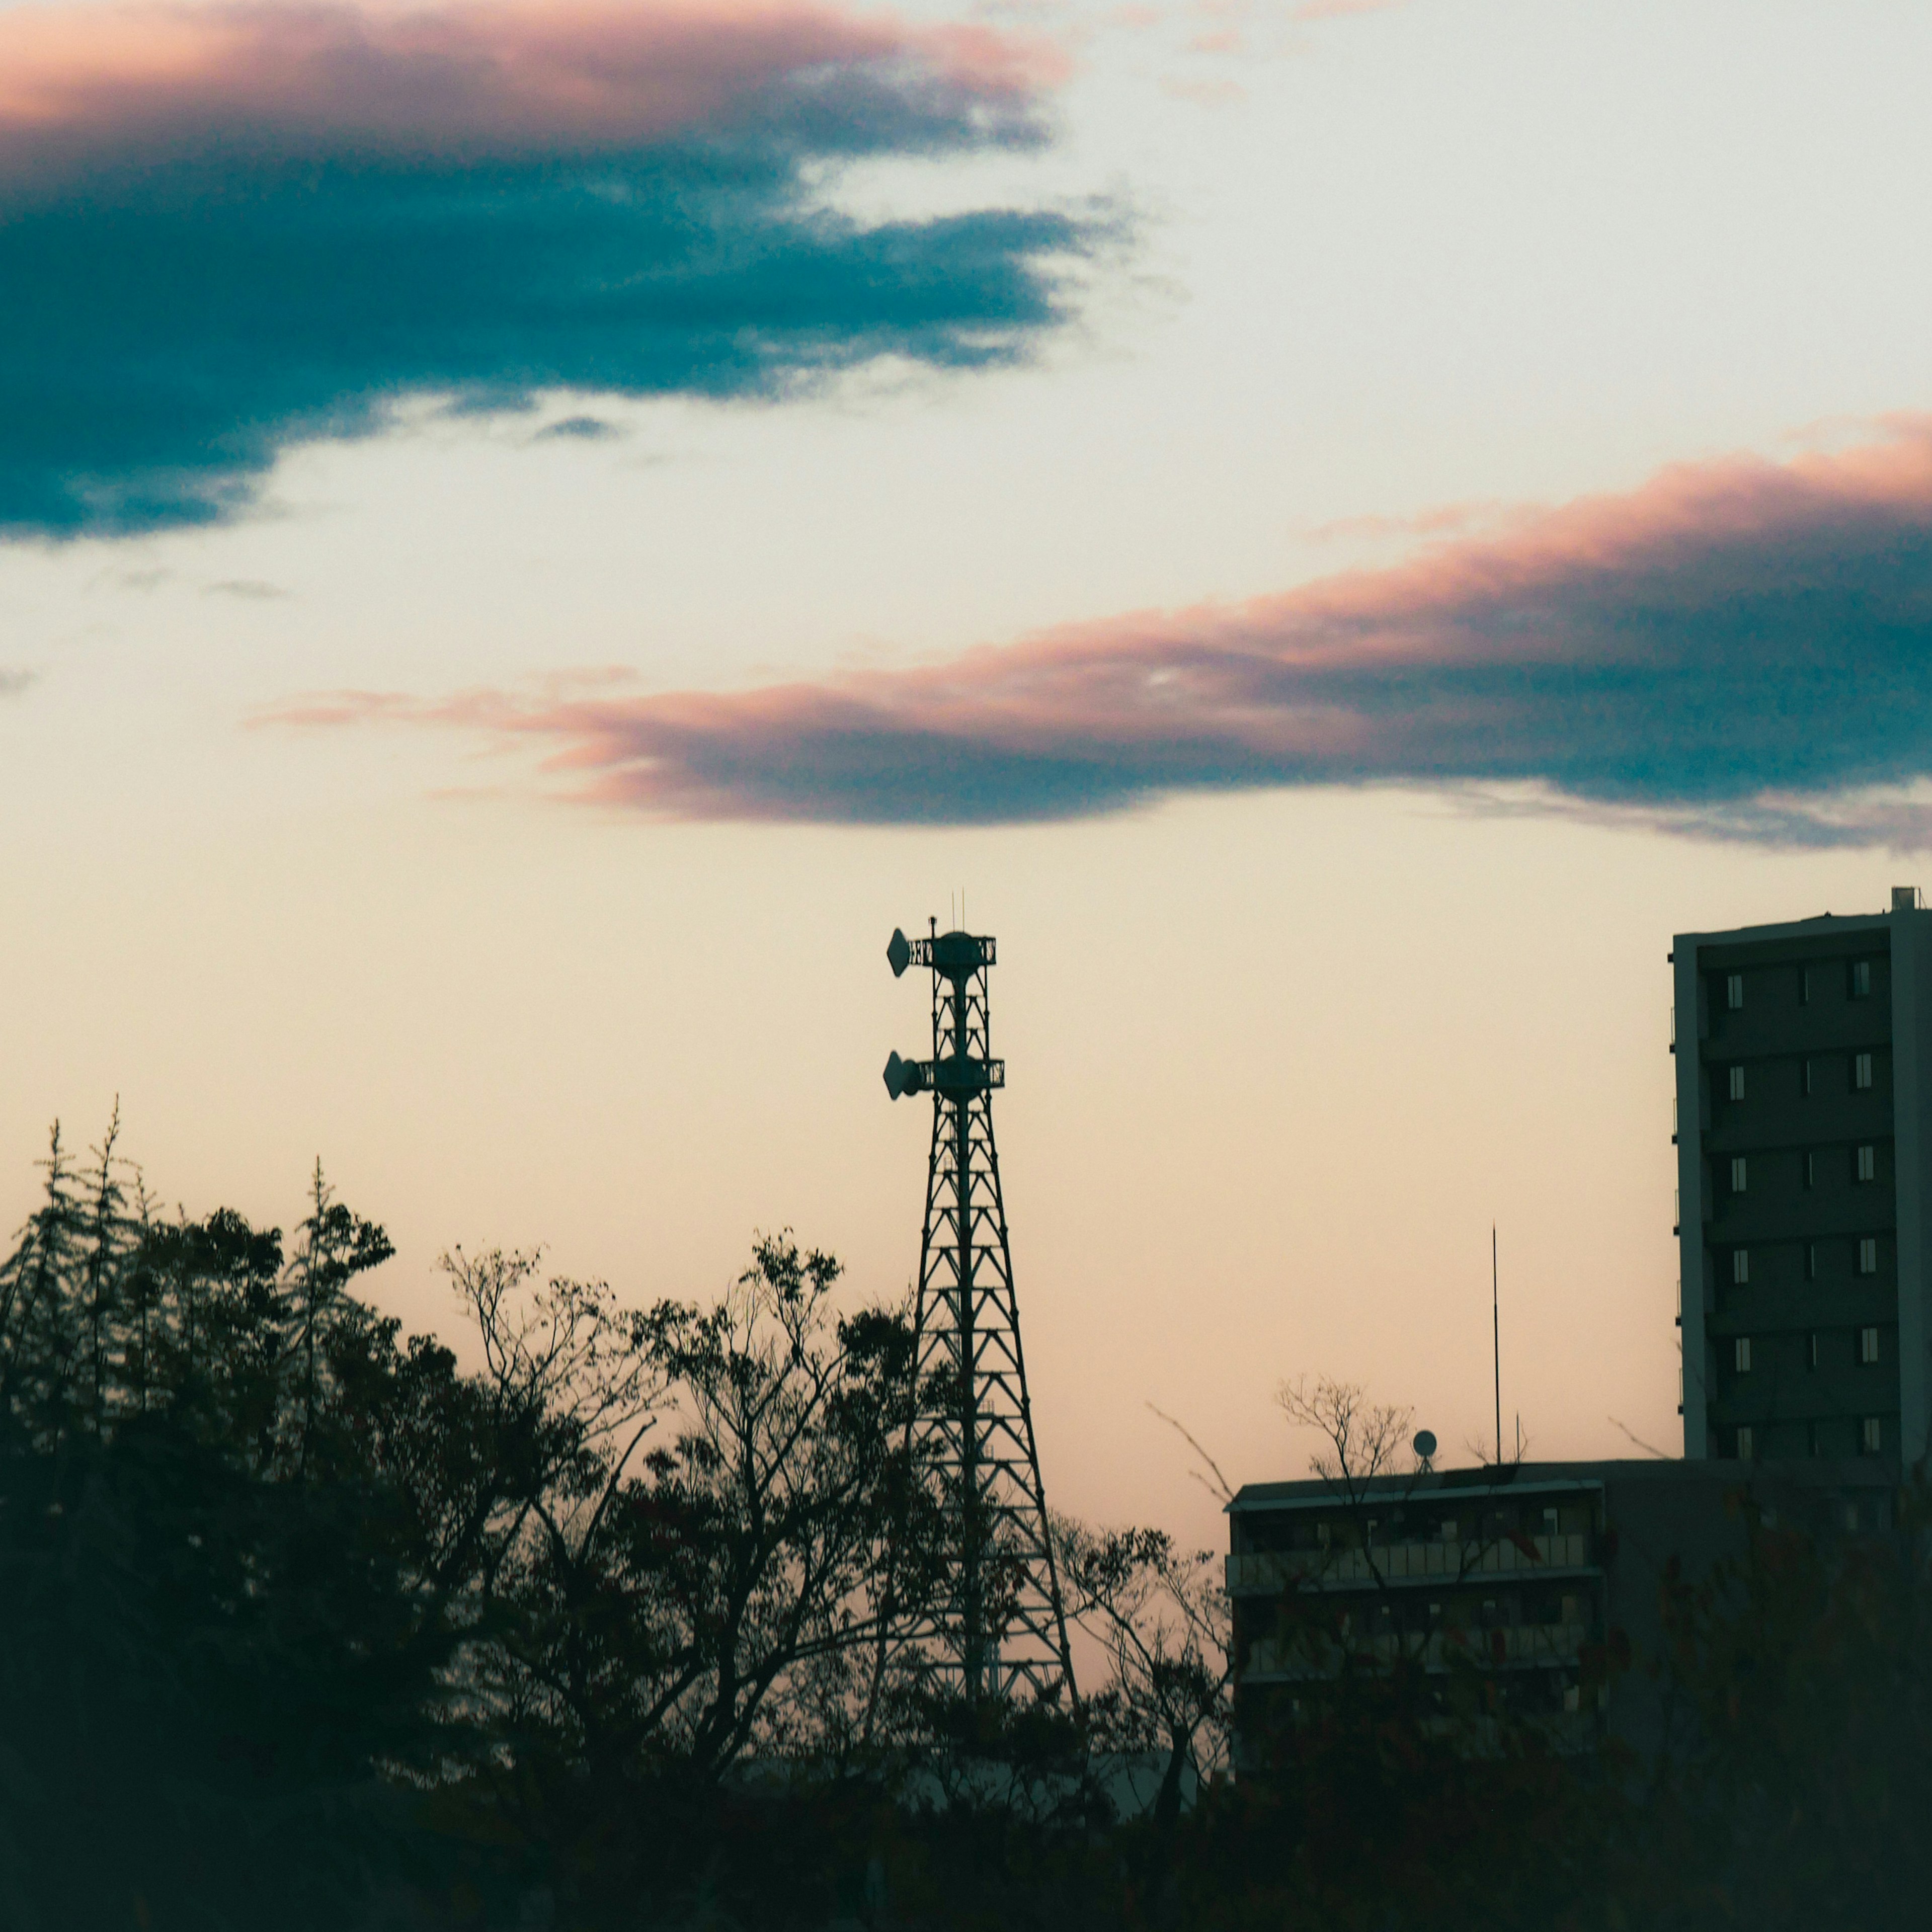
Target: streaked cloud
[[245, 225], [578, 429], [1740, 647], [249, 589], [1335, 10]]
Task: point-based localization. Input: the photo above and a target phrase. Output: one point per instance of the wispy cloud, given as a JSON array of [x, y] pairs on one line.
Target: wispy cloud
[[250, 590], [1333, 10], [1741, 647], [243, 225], [578, 429]]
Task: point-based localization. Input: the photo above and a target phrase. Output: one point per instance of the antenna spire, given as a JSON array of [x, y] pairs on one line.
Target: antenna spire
[[1496, 1340]]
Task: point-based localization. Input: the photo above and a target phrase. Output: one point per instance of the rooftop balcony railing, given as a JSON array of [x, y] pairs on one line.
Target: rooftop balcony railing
[[1312, 1659], [1353, 1568]]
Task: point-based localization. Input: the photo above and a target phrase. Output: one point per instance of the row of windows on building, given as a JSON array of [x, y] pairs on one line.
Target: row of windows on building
[[1811, 979], [1550, 1521], [1419, 1525], [1543, 1609], [1871, 1441], [1864, 1260], [1864, 1168], [1742, 1353], [1811, 1080]]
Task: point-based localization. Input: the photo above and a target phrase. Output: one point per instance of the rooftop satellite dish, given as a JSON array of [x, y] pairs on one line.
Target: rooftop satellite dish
[[1425, 1443]]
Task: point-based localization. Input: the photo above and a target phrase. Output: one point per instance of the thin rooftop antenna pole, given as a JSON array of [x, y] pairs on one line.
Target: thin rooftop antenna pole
[[1496, 1337]]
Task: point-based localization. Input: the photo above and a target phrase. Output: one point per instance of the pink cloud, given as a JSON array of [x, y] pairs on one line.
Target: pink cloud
[[1730, 632], [80, 84]]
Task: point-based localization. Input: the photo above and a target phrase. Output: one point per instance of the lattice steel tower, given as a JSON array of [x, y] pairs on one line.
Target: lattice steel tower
[[999, 1623]]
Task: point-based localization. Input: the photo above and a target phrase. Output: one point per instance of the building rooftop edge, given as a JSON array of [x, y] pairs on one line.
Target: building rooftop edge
[[1795, 928], [1858, 1472]]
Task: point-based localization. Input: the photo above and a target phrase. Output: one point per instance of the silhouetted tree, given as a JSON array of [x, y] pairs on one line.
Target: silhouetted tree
[[1799, 1794], [306, 1624], [220, 1649], [1160, 1614], [691, 1572]]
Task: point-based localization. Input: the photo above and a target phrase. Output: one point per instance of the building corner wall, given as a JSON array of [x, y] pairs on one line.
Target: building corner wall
[[1912, 1127], [1690, 1195]]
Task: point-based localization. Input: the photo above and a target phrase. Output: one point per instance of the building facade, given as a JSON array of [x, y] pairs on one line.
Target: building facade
[[1542, 1581], [1804, 1135]]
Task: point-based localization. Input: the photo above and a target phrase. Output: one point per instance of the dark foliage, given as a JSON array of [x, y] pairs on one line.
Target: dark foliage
[[222, 1650], [1800, 1794], [306, 1625]]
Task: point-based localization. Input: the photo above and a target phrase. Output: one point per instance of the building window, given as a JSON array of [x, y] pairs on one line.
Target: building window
[[1862, 1071], [1873, 1435], [1744, 1443], [1860, 979], [1868, 1346], [1810, 1261], [1811, 1170], [1805, 986], [1811, 1353], [1741, 1354], [1734, 992], [1868, 1254], [1738, 1175], [1867, 1163], [1740, 1267], [1737, 1083], [1805, 1083]]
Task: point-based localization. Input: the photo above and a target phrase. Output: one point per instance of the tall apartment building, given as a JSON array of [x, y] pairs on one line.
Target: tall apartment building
[[1804, 1061]]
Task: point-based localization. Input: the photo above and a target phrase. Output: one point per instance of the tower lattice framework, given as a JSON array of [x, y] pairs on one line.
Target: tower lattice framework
[[998, 1623]]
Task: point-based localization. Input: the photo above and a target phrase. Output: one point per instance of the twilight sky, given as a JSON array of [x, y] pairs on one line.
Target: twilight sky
[[531, 536]]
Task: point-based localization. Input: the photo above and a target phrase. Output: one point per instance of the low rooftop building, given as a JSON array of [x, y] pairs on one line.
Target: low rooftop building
[[1537, 1581]]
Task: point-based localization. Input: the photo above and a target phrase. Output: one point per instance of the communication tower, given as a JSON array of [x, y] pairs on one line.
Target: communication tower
[[998, 1623]]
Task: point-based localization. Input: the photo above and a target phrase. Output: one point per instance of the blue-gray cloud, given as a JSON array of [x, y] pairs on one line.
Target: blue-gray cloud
[[327, 215], [1741, 649]]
